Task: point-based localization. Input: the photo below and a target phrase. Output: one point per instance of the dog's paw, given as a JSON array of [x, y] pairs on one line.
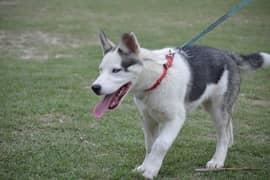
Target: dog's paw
[[214, 163], [149, 172]]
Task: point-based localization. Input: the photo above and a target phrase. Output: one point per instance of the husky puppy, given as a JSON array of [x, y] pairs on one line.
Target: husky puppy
[[198, 75]]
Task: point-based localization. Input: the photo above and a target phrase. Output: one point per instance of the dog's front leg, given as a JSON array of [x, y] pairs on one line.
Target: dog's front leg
[[151, 132], [167, 135]]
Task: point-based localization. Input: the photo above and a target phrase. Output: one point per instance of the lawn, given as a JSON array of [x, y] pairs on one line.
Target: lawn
[[49, 54]]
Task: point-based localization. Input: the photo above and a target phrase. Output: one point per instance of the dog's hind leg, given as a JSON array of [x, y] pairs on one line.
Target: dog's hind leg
[[208, 107], [221, 108], [223, 125]]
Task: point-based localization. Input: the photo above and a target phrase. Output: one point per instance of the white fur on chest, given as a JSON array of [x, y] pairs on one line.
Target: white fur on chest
[[164, 101]]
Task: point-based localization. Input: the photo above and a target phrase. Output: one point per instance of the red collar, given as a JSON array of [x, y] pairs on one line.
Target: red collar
[[166, 66]]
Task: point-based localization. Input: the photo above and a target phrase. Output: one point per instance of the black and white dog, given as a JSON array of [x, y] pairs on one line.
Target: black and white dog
[[168, 83]]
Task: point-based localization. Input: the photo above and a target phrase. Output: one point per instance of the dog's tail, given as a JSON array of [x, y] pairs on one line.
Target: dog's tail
[[252, 61]]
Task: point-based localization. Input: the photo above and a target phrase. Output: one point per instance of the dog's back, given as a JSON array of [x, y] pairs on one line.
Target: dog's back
[[208, 64]]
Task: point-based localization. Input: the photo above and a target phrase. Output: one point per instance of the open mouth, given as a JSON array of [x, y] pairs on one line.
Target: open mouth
[[110, 101]]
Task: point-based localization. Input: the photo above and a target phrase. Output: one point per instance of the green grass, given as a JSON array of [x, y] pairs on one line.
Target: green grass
[[49, 57]]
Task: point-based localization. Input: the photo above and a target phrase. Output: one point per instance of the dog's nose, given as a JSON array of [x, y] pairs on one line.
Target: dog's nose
[[96, 88]]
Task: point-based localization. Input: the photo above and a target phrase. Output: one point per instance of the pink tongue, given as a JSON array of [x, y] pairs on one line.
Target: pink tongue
[[101, 108]]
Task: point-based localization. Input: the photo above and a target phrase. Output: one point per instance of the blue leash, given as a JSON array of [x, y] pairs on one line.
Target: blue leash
[[220, 20]]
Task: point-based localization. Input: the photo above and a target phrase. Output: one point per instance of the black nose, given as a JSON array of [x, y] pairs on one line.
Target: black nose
[[96, 88]]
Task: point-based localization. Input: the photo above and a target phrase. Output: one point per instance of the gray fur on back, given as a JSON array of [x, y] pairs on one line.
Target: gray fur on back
[[207, 66]]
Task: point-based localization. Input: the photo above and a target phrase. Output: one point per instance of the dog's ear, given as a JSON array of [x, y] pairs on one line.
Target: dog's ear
[[106, 44], [129, 43]]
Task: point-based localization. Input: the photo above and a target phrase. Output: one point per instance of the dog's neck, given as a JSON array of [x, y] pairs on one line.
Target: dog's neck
[[152, 69]]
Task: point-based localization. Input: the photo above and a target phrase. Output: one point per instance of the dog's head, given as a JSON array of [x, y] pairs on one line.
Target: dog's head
[[119, 71]]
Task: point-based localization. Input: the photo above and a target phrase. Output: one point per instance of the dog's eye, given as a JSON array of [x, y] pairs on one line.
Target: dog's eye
[[116, 70]]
